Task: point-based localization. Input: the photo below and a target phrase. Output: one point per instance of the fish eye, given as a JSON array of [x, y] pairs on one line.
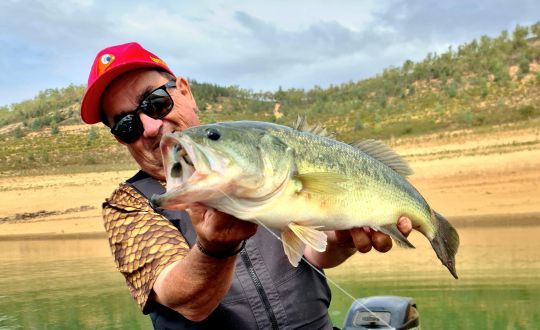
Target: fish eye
[[213, 134]]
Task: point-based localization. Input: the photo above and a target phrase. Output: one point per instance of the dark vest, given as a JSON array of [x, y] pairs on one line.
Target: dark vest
[[266, 293]]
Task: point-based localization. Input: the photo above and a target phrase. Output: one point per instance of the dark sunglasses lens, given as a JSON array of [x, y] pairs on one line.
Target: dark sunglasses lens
[[158, 104], [129, 129]]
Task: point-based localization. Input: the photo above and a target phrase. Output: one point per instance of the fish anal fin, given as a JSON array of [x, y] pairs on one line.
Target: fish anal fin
[[312, 237], [293, 246], [392, 231], [383, 153], [321, 182]]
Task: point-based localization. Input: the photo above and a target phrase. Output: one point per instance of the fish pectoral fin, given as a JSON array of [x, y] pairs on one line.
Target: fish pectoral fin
[[392, 231], [293, 246], [321, 182], [312, 237]]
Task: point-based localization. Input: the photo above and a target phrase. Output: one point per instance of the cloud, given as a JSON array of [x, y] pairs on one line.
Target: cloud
[[254, 44], [455, 22], [43, 43], [271, 50], [319, 40]]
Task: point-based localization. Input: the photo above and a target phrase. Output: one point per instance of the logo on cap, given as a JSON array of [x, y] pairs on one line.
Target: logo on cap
[[158, 60], [104, 62]]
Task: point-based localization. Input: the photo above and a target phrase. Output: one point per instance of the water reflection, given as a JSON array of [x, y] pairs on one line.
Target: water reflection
[[499, 285], [70, 284], [73, 284]]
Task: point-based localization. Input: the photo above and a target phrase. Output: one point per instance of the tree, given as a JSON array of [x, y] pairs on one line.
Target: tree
[[500, 73], [535, 29], [54, 129], [523, 65], [57, 117], [482, 86], [18, 132], [36, 124], [407, 67], [519, 36], [91, 136], [451, 89]]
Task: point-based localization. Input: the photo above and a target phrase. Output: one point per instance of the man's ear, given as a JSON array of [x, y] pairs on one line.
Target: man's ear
[[183, 86]]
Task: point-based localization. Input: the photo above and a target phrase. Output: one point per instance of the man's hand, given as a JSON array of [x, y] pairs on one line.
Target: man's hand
[[219, 232], [344, 243], [363, 239]]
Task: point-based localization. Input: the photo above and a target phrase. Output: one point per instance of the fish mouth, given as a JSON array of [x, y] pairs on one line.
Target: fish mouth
[[186, 162], [194, 173], [183, 168]]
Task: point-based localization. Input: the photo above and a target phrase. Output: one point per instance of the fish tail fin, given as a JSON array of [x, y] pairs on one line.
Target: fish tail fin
[[445, 243]]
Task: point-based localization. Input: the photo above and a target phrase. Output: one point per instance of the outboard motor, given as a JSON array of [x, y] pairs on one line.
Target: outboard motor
[[378, 312]]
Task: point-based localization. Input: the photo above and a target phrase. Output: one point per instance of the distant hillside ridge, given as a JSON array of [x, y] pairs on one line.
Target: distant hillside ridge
[[460, 87], [490, 81]]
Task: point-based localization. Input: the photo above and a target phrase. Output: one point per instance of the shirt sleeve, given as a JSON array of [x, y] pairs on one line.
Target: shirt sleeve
[[143, 242]]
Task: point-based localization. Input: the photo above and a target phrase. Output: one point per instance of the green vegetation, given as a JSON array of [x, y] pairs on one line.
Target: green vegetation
[[486, 82], [51, 106], [64, 152]]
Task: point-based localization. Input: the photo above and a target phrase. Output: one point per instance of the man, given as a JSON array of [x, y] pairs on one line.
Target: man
[[207, 270]]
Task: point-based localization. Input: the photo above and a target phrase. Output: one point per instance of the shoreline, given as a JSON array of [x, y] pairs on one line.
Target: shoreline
[[477, 186], [52, 236], [496, 220], [464, 221]]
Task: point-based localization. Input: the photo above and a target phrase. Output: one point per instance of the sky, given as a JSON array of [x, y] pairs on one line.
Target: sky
[[259, 45]]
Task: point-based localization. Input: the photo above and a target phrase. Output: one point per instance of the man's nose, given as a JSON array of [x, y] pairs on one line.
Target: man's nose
[[151, 125]]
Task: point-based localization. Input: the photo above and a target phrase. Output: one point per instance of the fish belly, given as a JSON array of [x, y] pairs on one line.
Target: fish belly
[[369, 206]]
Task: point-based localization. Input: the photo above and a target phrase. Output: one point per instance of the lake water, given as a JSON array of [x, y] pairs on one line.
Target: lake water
[[73, 284]]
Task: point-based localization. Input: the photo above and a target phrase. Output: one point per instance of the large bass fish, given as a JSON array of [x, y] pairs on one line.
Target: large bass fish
[[300, 181]]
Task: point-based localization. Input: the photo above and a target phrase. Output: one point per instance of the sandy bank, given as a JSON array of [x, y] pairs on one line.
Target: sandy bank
[[479, 184]]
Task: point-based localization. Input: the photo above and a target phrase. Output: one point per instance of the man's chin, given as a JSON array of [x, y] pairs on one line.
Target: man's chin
[[151, 163], [155, 171]]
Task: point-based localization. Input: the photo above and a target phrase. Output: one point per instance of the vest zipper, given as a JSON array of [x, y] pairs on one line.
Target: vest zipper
[[260, 289]]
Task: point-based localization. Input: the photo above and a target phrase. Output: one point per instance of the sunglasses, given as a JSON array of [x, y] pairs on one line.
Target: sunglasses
[[128, 126]]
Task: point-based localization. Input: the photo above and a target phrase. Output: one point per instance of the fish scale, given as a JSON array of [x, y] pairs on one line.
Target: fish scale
[[370, 175]]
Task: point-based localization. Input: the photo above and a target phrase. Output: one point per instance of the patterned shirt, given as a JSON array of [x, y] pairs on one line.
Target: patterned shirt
[[142, 241]]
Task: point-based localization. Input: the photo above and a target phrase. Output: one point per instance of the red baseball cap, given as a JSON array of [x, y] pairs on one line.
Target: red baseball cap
[[109, 64]]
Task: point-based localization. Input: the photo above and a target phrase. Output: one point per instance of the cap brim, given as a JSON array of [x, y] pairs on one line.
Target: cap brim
[[91, 103]]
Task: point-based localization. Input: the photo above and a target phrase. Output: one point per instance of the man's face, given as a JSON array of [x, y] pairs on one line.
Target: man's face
[[124, 95]]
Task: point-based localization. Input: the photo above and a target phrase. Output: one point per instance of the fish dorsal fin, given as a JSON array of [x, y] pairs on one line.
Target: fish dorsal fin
[[384, 154], [302, 125]]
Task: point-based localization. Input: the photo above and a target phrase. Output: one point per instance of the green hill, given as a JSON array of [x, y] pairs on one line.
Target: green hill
[[483, 84]]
